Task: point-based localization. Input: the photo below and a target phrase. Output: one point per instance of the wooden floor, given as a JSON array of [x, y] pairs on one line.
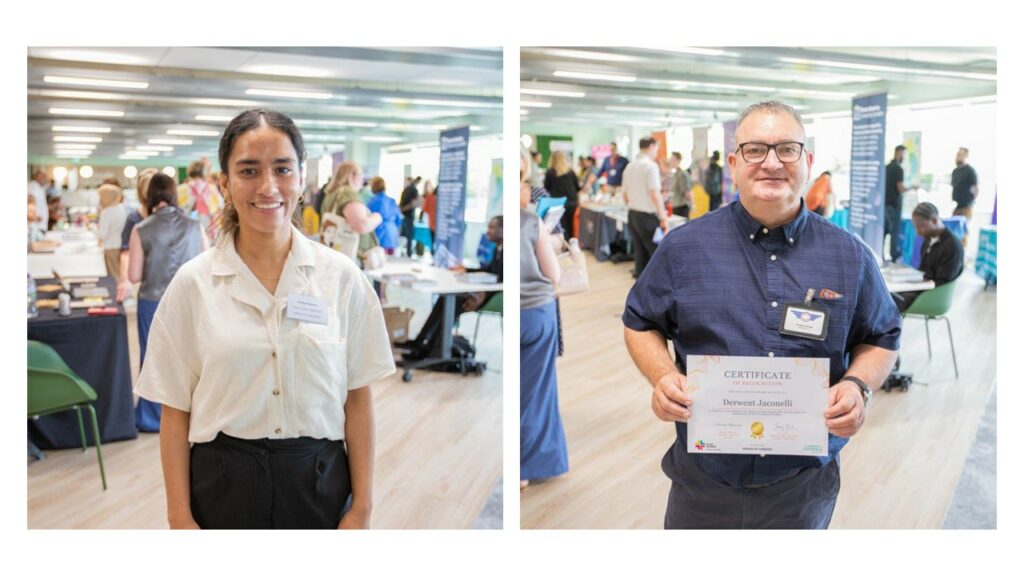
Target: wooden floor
[[438, 453], [900, 470]]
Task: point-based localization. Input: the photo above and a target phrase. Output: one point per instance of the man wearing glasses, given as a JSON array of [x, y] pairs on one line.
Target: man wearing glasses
[[718, 286]]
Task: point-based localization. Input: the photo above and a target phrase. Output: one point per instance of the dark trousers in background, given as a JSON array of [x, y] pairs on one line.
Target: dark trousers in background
[[804, 501], [683, 210], [714, 201], [407, 228], [147, 413], [894, 228], [568, 219], [642, 225], [293, 483]]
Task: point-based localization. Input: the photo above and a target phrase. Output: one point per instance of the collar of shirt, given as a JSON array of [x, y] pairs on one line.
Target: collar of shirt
[[755, 231], [295, 276]]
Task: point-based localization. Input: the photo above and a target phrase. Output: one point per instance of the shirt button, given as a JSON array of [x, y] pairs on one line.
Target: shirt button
[[765, 230], [771, 354], [277, 431], [775, 304], [790, 240], [751, 236], [277, 392], [274, 353], [773, 257]]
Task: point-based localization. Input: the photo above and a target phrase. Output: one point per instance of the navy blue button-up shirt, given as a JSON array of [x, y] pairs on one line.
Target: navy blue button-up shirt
[[613, 172], [718, 286]]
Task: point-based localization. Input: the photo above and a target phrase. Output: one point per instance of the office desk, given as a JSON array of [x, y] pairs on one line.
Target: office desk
[[447, 286]]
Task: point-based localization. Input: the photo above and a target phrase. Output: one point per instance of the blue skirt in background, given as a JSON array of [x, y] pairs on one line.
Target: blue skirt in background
[[147, 414], [542, 449]]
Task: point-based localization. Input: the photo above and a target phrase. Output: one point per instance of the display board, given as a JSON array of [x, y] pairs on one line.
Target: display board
[[867, 170], [731, 193], [451, 197]]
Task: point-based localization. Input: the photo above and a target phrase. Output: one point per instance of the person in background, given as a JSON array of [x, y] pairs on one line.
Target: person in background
[[407, 204], [342, 198], [365, 194], [124, 286], [682, 197], [536, 172], [612, 170], [590, 177], [942, 253], [268, 416], [197, 195], [55, 206], [641, 190], [965, 187], [820, 195], [52, 190], [110, 228], [157, 248], [35, 230], [429, 209], [561, 182], [543, 452], [713, 181], [36, 190], [894, 189], [428, 339], [391, 218]]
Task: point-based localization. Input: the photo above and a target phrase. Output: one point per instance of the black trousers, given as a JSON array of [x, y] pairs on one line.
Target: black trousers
[[642, 225], [714, 201], [683, 210], [293, 483], [568, 218], [803, 501]]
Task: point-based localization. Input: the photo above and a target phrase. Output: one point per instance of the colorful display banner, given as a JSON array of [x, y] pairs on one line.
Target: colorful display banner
[[731, 193], [867, 170], [451, 197], [912, 159]]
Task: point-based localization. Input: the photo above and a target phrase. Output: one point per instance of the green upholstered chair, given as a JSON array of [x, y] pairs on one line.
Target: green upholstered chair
[[494, 307], [934, 304], [53, 387]]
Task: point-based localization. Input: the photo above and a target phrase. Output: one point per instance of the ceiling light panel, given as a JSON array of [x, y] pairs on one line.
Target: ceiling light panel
[[85, 112], [314, 95], [594, 76], [88, 129], [95, 82]]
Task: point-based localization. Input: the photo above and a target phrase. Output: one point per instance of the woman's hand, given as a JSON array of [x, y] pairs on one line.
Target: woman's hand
[[187, 524], [355, 520]]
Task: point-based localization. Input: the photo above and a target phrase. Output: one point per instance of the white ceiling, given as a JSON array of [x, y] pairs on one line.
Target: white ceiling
[[438, 88], [698, 86]]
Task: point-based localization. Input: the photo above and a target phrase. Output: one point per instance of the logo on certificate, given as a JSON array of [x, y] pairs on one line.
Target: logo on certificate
[[757, 430], [699, 445]]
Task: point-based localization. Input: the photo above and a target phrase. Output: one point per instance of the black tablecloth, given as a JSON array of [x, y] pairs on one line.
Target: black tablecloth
[[598, 231], [95, 348]]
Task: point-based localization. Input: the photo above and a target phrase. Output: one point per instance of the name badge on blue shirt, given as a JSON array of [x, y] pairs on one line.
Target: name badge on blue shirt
[[804, 319], [306, 308]]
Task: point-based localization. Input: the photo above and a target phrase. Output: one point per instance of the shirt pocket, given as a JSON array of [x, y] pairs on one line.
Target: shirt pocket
[[320, 374]]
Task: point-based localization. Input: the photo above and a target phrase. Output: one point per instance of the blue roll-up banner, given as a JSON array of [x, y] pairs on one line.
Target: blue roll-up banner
[[451, 197], [867, 170]]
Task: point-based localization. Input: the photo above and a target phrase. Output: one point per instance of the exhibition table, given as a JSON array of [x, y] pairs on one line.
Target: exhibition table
[[985, 265], [95, 348], [601, 225], [427, 279]]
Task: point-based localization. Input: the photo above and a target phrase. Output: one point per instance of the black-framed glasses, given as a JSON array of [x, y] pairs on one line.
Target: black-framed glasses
[[786, 152]]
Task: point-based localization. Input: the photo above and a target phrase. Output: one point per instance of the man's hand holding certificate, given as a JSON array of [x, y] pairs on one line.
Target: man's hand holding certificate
[[757, 405]]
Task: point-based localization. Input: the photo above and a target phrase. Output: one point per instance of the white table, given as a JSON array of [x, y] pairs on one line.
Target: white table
[[84, 264], [446, 285], [905, 279]]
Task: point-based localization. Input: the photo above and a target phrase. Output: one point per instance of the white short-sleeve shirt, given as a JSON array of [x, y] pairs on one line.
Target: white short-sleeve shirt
[[639, 178], [223, 348]]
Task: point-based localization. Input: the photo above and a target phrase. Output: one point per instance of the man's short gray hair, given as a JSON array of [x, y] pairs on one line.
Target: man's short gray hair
[[771, 107]]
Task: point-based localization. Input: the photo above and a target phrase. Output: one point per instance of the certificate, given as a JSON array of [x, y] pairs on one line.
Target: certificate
[[757, 405]]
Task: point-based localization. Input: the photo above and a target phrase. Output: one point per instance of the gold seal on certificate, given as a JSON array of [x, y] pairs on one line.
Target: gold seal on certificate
[[757, 405]]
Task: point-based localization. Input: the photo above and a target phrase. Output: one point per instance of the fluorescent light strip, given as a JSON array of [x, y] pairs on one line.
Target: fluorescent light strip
[[225, 102], [213, 118], [523, 112], [73, 155], [534, 104], [347, 123], [587, 55], [381, 139], [77, 139], [325, 137], [818, 94], [545, 92], [414, 127], [594, 76], [83, 112], [171, 141], [884, 68], [289, 94], [693, 102], [187, 132], [90, 129], [682, 84], [428, 102], [69, 146], [84, 95], [149, 147], [700, 51], [95, 82], [142, 153]]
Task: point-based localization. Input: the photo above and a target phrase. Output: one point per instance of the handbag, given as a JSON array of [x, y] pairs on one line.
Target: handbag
[[573, 266]]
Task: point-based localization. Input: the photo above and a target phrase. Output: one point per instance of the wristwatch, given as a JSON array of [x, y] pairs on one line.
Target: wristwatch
[[865, 390]]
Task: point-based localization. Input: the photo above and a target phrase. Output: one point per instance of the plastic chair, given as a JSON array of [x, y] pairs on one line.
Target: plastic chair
[[53, 387], [933, 305], [494, 307]]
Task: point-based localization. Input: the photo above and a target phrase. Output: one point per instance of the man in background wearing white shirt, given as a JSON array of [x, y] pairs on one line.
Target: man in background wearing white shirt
[[37, 190], [641, 189]]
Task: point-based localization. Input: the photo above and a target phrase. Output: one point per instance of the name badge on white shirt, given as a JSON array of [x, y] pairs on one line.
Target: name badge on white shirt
[[306, 308]]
